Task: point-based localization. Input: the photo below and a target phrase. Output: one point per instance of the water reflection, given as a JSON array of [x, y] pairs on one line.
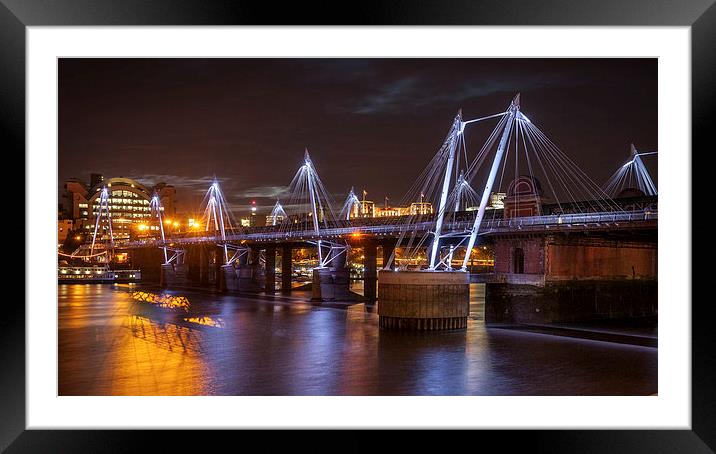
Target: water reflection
[[169, 336], [234, 345]]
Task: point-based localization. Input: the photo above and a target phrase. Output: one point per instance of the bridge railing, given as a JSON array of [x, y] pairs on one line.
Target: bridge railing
[[572, 219], [456, 227]]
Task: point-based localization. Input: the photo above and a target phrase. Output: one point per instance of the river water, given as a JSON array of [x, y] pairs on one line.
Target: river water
[[237, 345]]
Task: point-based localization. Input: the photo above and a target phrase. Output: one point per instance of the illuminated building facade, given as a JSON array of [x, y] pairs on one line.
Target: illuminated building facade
[[372, 211], [276, 219], [367, 209], [387, 212], [421, 208], [128, 203], [497, 200]]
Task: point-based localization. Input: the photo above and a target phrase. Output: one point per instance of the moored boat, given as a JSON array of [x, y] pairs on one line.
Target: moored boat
[[96, 275]]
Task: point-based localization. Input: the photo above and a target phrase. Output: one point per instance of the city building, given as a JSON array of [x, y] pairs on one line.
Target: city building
[[524, 198], [274, 219], [421, 208], [128, 203], [368, 209], [387, 212], [252, 219], [497, 200]]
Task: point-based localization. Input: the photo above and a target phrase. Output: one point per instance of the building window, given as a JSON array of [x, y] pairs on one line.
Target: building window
[[518, 261]]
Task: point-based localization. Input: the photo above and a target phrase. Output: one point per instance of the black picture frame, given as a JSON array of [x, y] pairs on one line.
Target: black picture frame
[[16, 15]]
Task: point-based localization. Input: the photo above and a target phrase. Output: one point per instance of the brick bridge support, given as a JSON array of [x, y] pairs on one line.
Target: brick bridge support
[[572, 278]]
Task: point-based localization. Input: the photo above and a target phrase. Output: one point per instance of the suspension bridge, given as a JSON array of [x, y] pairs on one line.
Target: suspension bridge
[[557, 225]]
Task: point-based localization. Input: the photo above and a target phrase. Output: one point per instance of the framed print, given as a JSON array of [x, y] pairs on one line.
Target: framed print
[[434, 216]]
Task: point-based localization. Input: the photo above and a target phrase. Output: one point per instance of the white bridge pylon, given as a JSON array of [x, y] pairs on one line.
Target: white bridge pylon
[[512, 113], [103, 206], [447, 186], [156, 209], [277, 213], [217, 219], [352, 200], [309, 195], [632, 173], [453, 143]]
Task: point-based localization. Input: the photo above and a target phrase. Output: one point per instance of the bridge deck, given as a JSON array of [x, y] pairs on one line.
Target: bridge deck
[[556, 223]]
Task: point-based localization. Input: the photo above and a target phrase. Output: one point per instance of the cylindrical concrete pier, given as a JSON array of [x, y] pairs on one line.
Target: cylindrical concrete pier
[[423, 300], [331, 284], [230, 279]]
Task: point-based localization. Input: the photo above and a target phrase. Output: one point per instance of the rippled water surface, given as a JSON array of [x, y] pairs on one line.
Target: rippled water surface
[[232, 345]]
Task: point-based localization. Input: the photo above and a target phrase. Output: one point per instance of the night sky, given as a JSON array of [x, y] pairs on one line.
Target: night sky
[[369, 123]]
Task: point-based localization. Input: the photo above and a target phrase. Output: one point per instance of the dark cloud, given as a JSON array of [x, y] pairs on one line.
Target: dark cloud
[[268, 192], [409, 95]]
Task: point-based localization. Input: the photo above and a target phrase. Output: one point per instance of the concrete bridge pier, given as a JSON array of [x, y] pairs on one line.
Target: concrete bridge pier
[[230, 277], [286, 268], [259, 272], [248, 279], [270, 271], [370, 273], [423, 300], [210, 274], [174, 274], [166, 276], [203, 267], [332, 283], [196, 261], [181, 269]]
